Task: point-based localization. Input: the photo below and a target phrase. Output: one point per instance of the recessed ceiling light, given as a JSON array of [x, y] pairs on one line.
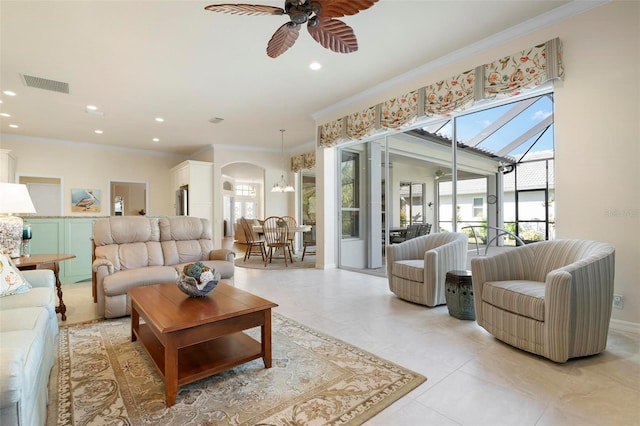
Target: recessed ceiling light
[[315, 66], [9, 93], [99, 132], [159, 119], [4, 114], [92, 107], [156, 140], [13, 126]]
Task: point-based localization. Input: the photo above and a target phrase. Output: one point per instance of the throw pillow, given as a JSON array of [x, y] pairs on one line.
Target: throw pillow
[[11, 279]]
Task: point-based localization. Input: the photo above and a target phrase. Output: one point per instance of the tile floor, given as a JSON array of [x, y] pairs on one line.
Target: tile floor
[[472, 378]]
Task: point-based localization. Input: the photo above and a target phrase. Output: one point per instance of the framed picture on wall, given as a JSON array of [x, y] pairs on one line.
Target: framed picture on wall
[[85, 200]]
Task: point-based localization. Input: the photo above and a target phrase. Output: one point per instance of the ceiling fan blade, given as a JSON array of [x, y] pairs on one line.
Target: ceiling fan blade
[[283, 39], [338, 8], [334, 35], [245, 9]]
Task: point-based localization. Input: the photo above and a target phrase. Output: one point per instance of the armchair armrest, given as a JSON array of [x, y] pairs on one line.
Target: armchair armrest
[[222, 254], [40, 277]]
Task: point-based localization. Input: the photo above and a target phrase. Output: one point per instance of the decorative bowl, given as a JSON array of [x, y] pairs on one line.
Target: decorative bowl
[[191, 288]]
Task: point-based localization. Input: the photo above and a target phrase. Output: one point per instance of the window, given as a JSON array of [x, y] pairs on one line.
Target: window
[[350, 194], [411, 203], [245, 190], [478, 207]]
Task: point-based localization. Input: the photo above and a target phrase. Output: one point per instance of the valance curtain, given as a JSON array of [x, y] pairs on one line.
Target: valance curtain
[[303, 161], [507, 76]]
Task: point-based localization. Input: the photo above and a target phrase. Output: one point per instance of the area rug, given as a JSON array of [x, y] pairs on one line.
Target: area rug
[[101, 377], [255, 262]]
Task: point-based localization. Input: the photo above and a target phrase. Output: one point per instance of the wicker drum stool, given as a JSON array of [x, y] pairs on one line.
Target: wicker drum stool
[[459, 295]]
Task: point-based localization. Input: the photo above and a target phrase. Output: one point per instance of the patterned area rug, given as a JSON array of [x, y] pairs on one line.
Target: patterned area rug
[[255, 262], [101, 377]]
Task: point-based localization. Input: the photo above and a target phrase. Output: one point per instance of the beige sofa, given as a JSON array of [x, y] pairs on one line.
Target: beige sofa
[[28, 330], [552, 298], [132, 251]]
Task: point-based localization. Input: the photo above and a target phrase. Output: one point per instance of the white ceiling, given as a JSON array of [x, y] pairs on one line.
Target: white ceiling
[[137, 60]]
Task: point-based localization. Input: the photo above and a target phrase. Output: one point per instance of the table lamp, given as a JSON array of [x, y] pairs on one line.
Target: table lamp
[[14, 199]]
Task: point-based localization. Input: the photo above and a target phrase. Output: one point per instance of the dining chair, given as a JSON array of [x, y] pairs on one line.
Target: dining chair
[[276, 233], [291, 223], [309, 247], [424, 229], [251, 241]]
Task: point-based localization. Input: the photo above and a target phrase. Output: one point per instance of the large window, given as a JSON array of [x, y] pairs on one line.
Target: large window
[[411, 203], [350, 194]]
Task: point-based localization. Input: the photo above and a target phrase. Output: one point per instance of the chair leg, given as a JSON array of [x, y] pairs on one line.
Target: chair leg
[[284, 254], [304, 251], [268, 257]]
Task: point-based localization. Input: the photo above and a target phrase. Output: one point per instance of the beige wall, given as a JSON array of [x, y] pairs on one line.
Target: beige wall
[[89, 166], [597, 116]]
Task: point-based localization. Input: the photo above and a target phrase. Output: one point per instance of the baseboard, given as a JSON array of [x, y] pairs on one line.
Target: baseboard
[[630, 327]]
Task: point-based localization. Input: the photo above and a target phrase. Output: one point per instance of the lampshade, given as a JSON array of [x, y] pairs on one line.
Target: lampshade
[[14, 199]]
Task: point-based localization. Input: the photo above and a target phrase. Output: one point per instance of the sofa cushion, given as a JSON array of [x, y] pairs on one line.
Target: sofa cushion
[[11, 279], [118, 284], [521, 297], [412, 270], [43, 297]]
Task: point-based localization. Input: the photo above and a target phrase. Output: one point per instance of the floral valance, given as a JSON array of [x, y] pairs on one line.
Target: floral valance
[[453, 94], [507, 76], [398, 112], [303, 161]]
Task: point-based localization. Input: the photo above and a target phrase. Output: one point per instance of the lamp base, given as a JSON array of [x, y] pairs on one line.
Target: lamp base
[[11, 235]]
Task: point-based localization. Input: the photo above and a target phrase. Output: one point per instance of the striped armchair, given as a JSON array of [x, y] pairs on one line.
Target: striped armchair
[[417, 268], [551, 298]]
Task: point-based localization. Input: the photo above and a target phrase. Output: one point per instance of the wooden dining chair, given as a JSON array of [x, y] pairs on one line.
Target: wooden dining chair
[[291, 223], [309, 247], [251, 241], [276, 232]]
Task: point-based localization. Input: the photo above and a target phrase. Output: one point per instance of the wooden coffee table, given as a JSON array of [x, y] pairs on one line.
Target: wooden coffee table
[[189, 339]]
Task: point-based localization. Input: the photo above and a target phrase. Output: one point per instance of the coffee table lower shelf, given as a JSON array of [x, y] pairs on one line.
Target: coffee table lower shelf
[[204, 359]]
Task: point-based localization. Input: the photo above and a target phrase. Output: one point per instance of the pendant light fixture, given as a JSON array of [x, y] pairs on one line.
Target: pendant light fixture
[[282, 185]]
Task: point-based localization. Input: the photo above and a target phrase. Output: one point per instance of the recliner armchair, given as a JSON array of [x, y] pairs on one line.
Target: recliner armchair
[[551, 298], [417, 268]]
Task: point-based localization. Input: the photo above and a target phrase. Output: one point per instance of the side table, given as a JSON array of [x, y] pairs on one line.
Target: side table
[[47, 261], [459, 295]]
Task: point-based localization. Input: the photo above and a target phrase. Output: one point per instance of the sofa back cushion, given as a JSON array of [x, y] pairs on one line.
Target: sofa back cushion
[[185, 239], [125, 229]]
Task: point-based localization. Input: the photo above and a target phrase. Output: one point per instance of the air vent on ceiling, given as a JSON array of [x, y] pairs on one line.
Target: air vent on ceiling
[[46, 84]]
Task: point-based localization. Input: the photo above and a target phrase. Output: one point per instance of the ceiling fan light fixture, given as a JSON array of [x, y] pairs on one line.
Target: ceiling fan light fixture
[[319, 15]]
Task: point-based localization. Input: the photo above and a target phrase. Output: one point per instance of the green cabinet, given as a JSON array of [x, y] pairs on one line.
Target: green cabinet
[[70, 235]]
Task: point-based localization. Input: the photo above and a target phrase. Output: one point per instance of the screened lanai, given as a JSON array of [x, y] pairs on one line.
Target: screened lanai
[[503, 164]]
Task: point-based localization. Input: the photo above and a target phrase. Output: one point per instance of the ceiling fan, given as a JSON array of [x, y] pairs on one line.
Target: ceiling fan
[[319, 15]]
